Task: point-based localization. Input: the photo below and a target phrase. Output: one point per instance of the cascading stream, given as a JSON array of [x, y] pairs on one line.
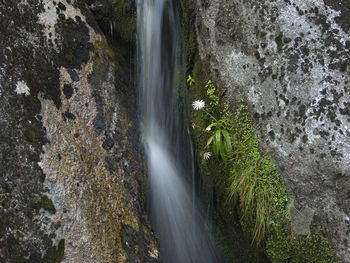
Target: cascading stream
[[174, 214]]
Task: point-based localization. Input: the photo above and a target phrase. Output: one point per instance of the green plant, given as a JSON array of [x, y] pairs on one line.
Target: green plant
[[221, 142], [246, 178], [190, 80], [252, 180], [220, 139]]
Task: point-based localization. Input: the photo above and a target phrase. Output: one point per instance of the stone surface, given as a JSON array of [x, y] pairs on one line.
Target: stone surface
[[290, 61], [301, 219], [71, 165]]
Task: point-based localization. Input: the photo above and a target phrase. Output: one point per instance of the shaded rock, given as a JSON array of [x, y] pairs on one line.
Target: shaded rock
[[60, 199]]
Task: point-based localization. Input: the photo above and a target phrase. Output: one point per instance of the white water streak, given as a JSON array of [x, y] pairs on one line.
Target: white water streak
[[175, 218]]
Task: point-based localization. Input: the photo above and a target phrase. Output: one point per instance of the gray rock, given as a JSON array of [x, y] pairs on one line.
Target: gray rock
[[290, 60], [301, 219], [70, 159]]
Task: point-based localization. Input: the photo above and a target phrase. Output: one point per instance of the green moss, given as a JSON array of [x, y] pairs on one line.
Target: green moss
[[70, 58], [55, 256], [188, 31], [282, 246], [104, 53], [102, 49], [30, 135], [118, 19], [124, 20], [47, 204], [253, 179]]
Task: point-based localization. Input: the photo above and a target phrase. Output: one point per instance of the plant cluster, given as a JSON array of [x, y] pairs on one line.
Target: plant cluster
[[253, 180], [249, 180]]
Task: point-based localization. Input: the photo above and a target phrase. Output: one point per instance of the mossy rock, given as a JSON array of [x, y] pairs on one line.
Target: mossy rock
[[187, 17], [117, 18], [283, 248], [30, 135], [55, 256], [47, 204]]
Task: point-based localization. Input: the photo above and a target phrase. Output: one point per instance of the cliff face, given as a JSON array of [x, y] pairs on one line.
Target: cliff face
[[290, 61], [71, 165]]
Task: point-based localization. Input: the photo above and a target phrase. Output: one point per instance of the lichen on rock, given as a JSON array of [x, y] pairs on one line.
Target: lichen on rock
[[70, 158], [289, 59]]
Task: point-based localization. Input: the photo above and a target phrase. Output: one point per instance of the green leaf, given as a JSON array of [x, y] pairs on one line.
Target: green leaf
[[190, 80], [210, 140], [222, 151], [227, 141], [217, 143]]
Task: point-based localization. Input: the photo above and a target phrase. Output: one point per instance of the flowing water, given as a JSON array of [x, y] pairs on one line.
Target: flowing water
[[174, 214]]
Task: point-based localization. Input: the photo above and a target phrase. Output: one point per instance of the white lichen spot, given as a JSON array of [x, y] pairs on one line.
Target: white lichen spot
[[22, 88], [49, 19]]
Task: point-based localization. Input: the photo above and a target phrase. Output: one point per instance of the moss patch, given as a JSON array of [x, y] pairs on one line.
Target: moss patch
[[187, 18], [117, 18], [30, 135], [102, 49], [282, 246], [55, 256], [124, 20], [47, 204]]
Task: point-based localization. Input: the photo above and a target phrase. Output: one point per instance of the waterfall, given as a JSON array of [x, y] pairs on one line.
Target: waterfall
[[174, 214]]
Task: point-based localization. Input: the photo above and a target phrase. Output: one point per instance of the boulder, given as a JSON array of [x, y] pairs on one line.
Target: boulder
[[290, 61], [71, 162]]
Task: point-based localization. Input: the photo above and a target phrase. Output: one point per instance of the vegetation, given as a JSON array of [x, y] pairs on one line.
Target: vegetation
[[117, 19], [252, 179], [188, 33], [248, 180], [283, 246], [55, 256], [46, 204], [30, 135], [124, 20]]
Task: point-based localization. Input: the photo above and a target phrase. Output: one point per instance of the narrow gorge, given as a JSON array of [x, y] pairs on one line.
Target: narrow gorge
[[176, 131]]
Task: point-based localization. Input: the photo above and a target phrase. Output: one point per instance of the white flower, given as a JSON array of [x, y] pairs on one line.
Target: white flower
[[207, 155], [208, 128], [198, 104]]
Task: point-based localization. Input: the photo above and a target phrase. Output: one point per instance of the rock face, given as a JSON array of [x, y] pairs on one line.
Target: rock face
[[290, 61], [71, 165]]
